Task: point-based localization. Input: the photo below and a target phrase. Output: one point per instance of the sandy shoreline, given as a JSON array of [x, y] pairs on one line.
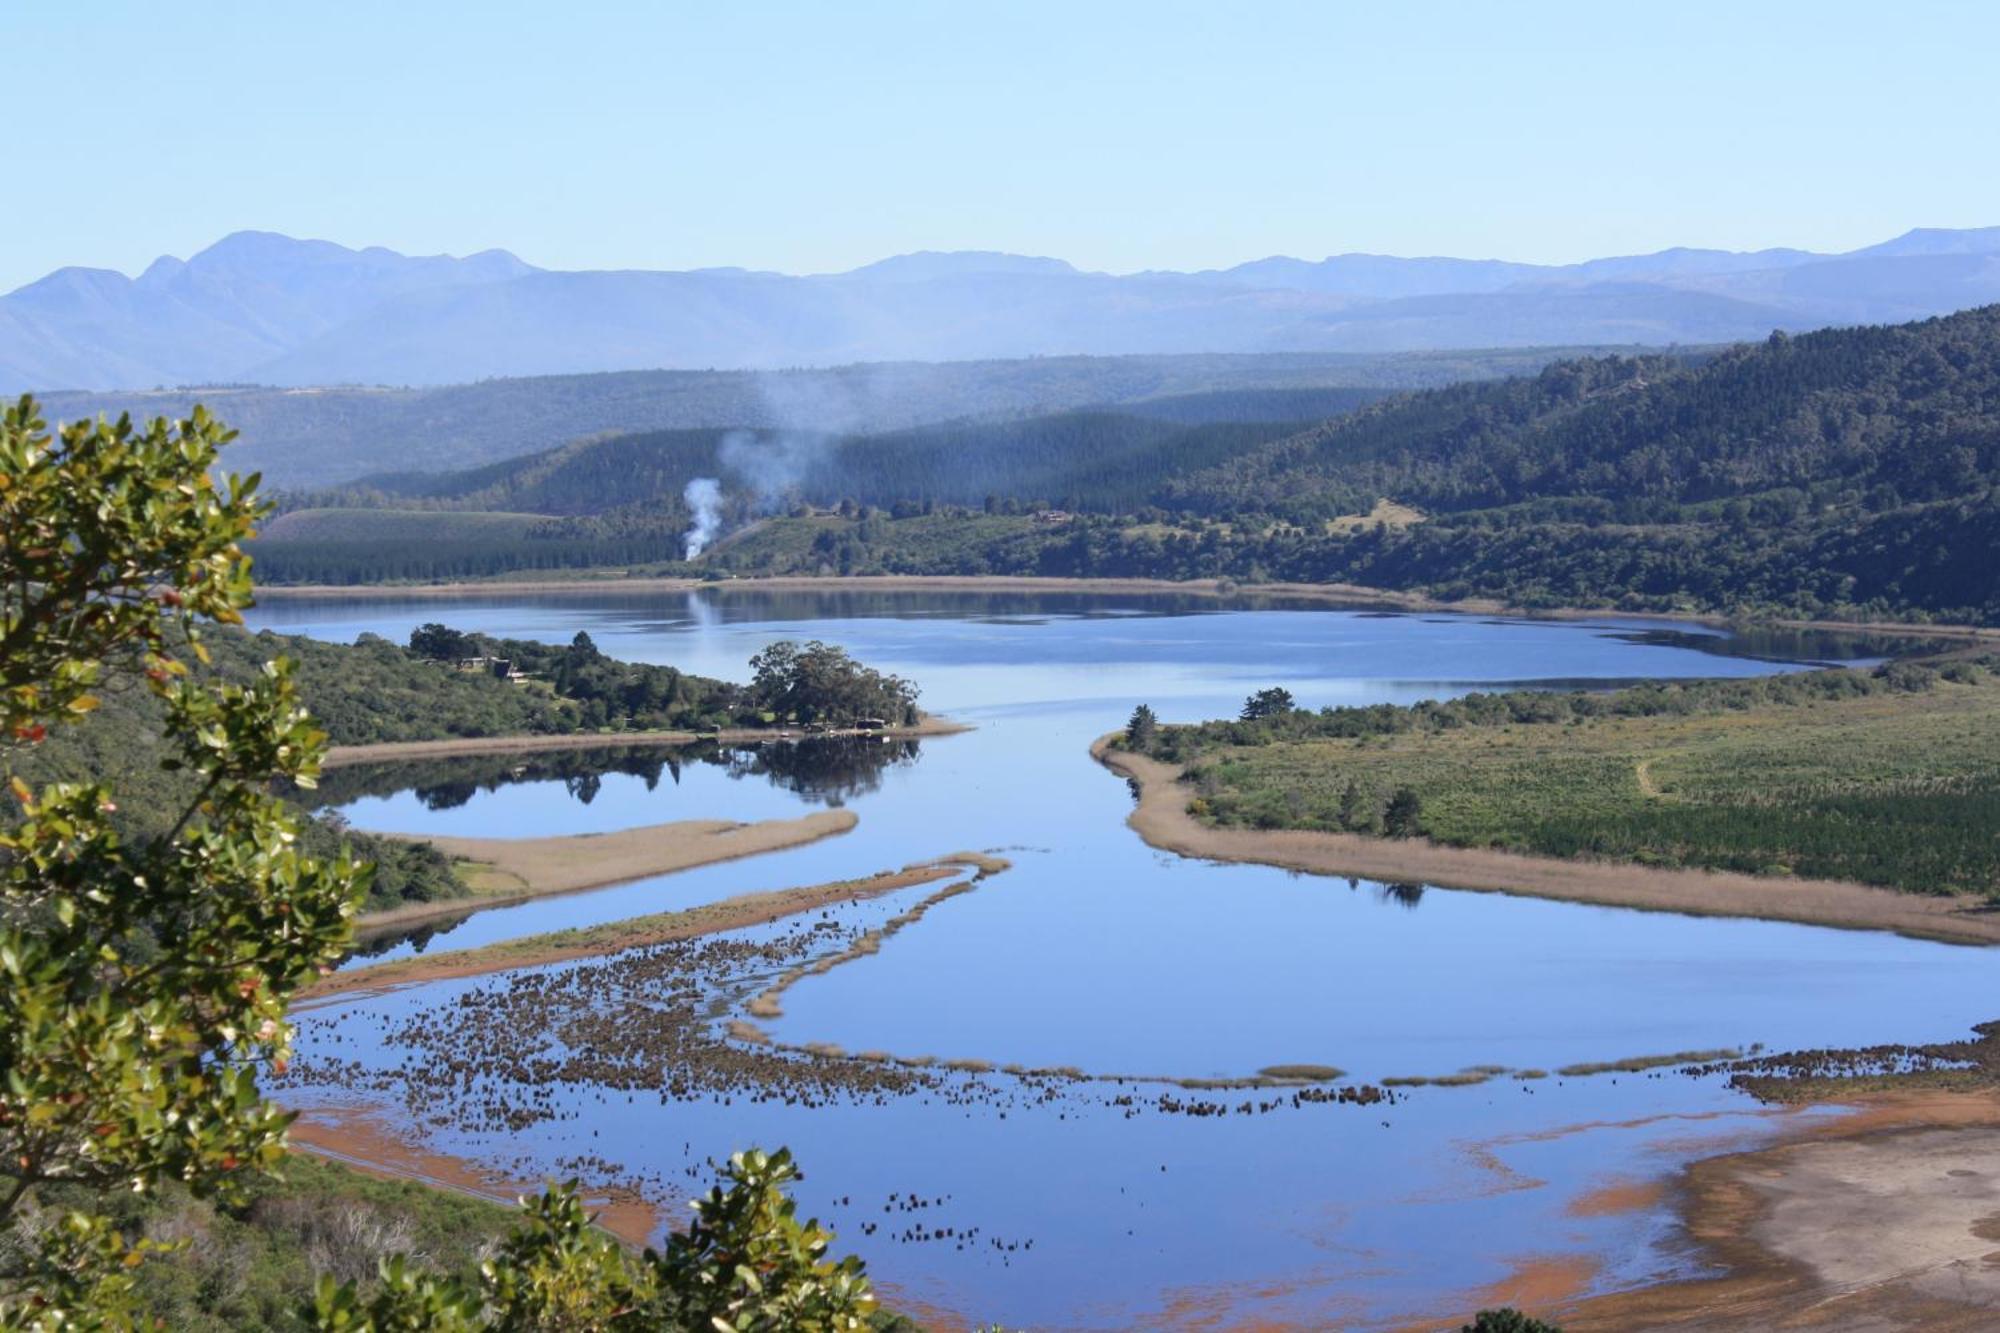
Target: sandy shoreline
[[1161, 818], [541, 867], [1886, 1219], [356, 1138], [383, 752], [1342, 594]]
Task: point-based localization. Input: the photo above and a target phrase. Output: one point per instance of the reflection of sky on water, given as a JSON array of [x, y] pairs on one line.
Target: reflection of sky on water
[[1099, 952]]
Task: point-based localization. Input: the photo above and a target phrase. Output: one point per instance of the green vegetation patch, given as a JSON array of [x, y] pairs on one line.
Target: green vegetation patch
[[1888, 777], [253, 1264]]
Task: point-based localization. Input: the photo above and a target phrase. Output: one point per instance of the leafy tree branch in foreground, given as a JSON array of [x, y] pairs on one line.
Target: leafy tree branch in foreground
[[144, 979]]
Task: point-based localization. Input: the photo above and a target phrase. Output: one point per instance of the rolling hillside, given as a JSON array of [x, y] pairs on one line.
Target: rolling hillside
[[328, 436], [1846, 472], [1093, 459], [1869, 418]]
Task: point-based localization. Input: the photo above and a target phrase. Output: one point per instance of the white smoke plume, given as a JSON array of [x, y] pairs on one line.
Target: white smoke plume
[[704, 498], [807, 415], [793, 452], [772, 468]]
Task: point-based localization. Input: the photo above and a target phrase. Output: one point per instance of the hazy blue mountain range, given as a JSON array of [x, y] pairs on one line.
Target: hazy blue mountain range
[[263, 308]]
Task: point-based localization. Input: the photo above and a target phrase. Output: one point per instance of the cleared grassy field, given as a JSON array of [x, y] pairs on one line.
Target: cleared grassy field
[[1899, 788]]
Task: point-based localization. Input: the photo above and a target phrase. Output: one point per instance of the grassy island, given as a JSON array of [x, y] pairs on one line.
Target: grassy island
[[1886, 777]]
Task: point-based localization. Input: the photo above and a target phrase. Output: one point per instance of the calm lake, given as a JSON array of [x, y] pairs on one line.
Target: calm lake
[[1034, 1202]]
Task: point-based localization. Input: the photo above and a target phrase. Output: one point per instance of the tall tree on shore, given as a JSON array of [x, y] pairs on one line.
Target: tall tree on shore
[[1141, 729], [1403, 818], [1353, 813], [1272, 702], [142, 983]]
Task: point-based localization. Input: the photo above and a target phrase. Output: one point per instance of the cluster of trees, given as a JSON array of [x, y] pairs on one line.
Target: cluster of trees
[[586, 690], [818, 684], [813, 683], [1271, 701], [1916, 563]]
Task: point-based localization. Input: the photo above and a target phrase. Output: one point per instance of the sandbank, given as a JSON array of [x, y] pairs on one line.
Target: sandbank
[[734, 913], [517, 869]]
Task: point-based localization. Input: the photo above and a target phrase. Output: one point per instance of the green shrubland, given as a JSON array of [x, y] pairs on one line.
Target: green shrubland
[[1888, 776]]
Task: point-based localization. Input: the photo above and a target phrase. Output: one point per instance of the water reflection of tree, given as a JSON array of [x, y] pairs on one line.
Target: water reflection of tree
[[417, 937], [831, 770], [446, 784], [1406, 896], [1777, 644]]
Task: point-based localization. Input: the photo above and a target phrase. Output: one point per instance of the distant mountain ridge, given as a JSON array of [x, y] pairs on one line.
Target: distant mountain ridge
[[263, 308]]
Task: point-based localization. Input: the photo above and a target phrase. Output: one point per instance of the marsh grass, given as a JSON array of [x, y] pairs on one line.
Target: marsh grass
[[1303, 1073], [1639, 1063], [1463, 1079]]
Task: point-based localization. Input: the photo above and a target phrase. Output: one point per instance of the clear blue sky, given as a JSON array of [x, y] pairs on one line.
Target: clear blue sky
[[812, 137]]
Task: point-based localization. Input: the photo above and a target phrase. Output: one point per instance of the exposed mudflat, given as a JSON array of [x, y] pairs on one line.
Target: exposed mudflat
[[1883, 1221], [354, 1137]]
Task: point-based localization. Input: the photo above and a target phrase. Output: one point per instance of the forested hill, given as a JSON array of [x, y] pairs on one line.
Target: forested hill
[[1105, 459], [1841, 473], [330, 435], [1862, 420], [1844, 473]]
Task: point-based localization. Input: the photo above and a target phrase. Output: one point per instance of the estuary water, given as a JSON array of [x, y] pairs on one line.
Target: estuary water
[[1045, 1202]]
